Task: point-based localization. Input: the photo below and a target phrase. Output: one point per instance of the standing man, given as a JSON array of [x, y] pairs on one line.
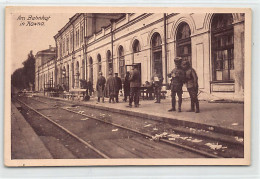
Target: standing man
[[177, 76], [135, 84], [119, 86], [157, 80], [126, 86], [101, 81], [192, 86], [111, 87]]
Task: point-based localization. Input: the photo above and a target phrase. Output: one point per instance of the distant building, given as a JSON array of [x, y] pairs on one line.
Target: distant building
[[45, 68], [213, 43]]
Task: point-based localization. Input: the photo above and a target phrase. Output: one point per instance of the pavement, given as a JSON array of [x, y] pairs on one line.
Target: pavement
[[226, 118], [25, 143]]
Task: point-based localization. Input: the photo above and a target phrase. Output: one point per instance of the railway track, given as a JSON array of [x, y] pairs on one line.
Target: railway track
[[47, 106]]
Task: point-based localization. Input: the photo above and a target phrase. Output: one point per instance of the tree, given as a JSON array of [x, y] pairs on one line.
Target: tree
[[23, 77]]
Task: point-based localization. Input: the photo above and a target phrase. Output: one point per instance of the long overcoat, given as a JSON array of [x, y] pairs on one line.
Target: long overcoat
[[111, 85], [101, 82]]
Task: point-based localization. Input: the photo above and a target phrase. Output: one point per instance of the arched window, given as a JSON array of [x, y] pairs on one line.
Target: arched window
[[109, 62], [91, 69], [99, 69], [121, 62], [157, 52], [136, 46], [222, 43], [183, 42]]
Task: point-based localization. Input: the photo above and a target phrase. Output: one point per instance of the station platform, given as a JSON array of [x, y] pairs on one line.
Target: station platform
[[223, 117], [25, 143]]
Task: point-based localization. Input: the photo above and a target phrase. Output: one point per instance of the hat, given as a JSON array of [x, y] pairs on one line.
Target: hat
[[177, 59], [116, 73], [100, 73]]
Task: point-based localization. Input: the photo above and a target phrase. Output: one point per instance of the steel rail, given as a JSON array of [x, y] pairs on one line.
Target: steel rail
[[67, 131], [206, 154]]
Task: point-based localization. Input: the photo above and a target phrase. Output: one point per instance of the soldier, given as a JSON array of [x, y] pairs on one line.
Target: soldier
[[101, 81], [157, 80], [177, 76], [134, 86], [192, 86]]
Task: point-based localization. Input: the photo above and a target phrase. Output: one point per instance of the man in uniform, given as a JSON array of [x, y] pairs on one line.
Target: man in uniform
[[177, 76], [192, 86], [101, 81], [119, 86], [134, 86], [157, 80]]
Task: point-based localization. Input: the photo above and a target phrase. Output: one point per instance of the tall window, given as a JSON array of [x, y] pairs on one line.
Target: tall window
[[77, 75], [71, 41], [222, 35], [81, 34], [67, 43], [136, 46], [91, 69], [121, 62], [157, 52], [184, 42], [83, 69], [99, 63], [109, 61], [63, 46]]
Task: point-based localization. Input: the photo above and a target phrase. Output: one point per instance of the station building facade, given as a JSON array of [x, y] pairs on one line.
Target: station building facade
[[213, 43], [45, 68]]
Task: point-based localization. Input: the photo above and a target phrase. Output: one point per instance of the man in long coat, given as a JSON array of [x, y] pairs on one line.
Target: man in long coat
[[135, 83], [101, 81], [111, 87], [119, 86]]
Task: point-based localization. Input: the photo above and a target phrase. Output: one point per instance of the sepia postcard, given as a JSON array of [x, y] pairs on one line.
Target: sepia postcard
[[109, 86]]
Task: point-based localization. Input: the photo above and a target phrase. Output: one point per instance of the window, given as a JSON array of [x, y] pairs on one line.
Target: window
[[157, 52], [109, 61], [183, 42], [71, 41], [67, 45], [77, 75], [222, 35], [121, 62], [91, 69], [99, 63], [81, 34], [63, 46], [136, 46]]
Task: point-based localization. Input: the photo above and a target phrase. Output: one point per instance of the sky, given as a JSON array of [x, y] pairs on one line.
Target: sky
[[26, 37]]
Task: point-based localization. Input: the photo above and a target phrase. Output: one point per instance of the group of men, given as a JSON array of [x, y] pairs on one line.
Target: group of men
[[111, 87], [182, 73]]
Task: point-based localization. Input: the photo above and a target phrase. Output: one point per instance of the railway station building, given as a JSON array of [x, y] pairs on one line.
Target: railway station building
[[213, 43]]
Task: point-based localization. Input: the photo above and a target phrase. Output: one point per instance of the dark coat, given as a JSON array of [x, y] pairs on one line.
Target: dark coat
[[111, 85], [100, 86], [135, 78], [118, 83], [191, 78], [127, 86], [178, 78]]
